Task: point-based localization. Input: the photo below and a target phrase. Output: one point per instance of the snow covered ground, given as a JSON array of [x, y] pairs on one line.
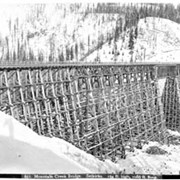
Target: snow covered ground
[[160, 38], [141, 162], [23, 151]]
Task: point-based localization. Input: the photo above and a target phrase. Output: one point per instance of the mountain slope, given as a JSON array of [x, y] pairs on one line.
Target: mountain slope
[[158, 40]]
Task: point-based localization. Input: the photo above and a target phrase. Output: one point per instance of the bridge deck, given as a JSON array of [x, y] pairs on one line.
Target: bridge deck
[[32, 64]]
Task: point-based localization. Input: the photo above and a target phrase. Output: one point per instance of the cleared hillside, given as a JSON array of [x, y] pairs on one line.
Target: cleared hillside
[[55, 32], [158, 40]]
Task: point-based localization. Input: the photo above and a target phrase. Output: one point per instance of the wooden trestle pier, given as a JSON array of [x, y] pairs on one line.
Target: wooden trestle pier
[[99, 108]]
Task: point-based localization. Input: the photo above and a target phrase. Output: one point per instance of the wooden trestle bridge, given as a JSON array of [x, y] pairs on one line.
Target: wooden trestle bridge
[[100, 108]]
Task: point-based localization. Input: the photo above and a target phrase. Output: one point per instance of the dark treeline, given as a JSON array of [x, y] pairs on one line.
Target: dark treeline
[[134, 12]]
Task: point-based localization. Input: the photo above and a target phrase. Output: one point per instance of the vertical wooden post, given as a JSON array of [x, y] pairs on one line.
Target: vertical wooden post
[[90, 95], [48, 119], [162, 120], [66, 107], [74, 121], [8, 92], [107, 113], [21, 94], [38, 119], [76, 92], [145, 90], [177, 114], [139, 81], [57, 108]]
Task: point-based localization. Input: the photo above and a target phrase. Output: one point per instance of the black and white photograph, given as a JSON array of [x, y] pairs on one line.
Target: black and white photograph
[[90, 90]]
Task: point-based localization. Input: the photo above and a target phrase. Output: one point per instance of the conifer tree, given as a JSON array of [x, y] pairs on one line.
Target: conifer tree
[[125, 25], [131, 44], [88, 42], [120, 26], [116, 34], [72, 53], [14, 56], [131, 40], [67, 54], [76, 50], [136, 32], [62, 57]]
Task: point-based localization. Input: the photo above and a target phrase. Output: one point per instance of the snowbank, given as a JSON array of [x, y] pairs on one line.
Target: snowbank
[[143, 163], [23, 151], [173, 133], [20, 157]]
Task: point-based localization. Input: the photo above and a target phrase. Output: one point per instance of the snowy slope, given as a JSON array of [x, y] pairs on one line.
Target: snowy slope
[[23, 151], [158, 41], [20, 157], [56, 27], [51, 29], [160, 38], [141, 162]]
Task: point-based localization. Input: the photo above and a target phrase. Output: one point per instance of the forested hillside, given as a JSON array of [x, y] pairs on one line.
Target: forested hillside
[[71, 32]]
